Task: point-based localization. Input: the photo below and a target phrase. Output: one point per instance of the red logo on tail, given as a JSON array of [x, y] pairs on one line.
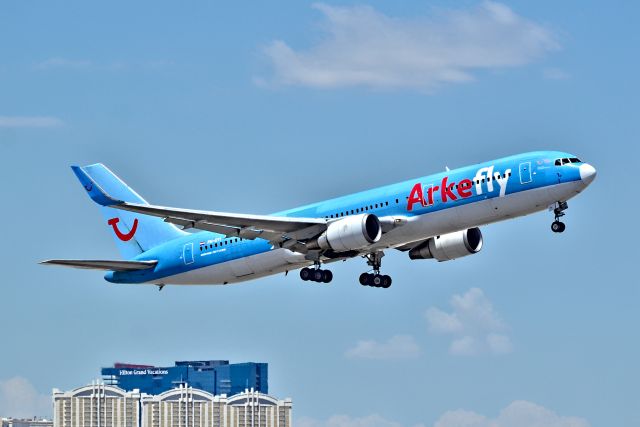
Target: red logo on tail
[[122, 236]]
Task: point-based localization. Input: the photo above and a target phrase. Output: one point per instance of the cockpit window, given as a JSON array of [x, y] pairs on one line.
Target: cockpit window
[[565, 161]]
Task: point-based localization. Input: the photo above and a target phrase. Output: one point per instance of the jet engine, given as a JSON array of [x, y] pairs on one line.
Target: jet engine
[[449, 246], [349, 233]]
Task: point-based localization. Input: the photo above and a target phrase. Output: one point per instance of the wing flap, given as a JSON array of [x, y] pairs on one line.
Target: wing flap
[[103, 264]]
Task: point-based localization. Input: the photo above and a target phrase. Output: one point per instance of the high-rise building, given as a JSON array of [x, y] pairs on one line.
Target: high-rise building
[[186, 406], [99, 405], [96, 405], [214, 376]]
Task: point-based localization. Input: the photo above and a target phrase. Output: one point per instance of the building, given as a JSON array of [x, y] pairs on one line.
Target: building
[[186, 406], [96, 405], [35, 422], [216, 377], [99, 405]]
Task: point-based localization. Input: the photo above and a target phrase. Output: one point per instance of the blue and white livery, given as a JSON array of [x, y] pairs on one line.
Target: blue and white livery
[[433, 217]]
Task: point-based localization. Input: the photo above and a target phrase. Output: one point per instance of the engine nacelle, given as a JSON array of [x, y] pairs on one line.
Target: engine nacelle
[[349, 233], [449, 246]]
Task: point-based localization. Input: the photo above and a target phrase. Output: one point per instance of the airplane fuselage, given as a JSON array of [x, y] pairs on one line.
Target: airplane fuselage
[[414, 210]]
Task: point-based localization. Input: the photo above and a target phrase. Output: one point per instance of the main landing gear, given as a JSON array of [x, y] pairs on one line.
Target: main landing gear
[[558, 226], [375, 279], [316, 274]]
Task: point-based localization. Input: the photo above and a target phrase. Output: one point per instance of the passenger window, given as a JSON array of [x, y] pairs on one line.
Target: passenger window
[[397, 201]]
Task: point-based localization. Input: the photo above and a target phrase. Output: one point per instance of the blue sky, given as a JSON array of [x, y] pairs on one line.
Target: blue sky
[[260, 107]]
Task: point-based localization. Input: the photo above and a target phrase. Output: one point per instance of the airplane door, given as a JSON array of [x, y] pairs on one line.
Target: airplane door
[[525, 172], [187, 253]]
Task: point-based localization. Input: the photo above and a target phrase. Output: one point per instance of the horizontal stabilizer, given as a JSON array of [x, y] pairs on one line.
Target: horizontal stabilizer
[[103, 264]]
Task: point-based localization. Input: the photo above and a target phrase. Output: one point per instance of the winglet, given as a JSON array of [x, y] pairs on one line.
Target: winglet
[[96, 193]]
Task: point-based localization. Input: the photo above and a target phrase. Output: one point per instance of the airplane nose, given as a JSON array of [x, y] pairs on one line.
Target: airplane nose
[[587, 173]]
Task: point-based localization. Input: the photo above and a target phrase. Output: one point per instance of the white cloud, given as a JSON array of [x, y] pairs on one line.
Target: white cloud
[[64, 63], [397, 347], [29, 122], [473, 325], [517, 414], [365, 47], [18, 398]]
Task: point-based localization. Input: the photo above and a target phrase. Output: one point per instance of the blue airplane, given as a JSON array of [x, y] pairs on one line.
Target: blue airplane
[[433, 217]]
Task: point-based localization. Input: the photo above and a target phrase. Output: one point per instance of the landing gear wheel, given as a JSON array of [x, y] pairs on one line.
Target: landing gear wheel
[[376, 281], [557, 226], [327, 276], [364, 279], [305, 274], [317, 275], [386, 281]]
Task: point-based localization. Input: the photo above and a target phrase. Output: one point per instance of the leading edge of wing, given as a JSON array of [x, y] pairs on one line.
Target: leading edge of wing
[[190, 218], [102, 264], [227, 223]]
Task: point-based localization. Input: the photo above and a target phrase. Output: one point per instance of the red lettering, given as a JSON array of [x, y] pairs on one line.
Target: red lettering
[[430, 194], [415, 196], [464, 188], [446, 190]]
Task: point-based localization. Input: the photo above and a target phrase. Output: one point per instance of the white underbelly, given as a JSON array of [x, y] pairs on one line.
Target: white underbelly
[[242, 269]]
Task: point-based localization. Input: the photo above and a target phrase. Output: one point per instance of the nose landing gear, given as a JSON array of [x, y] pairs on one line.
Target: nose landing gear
[[375, 280], [558, 226]]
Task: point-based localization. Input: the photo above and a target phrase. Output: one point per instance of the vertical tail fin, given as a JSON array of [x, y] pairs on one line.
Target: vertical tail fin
[[134, 233]]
